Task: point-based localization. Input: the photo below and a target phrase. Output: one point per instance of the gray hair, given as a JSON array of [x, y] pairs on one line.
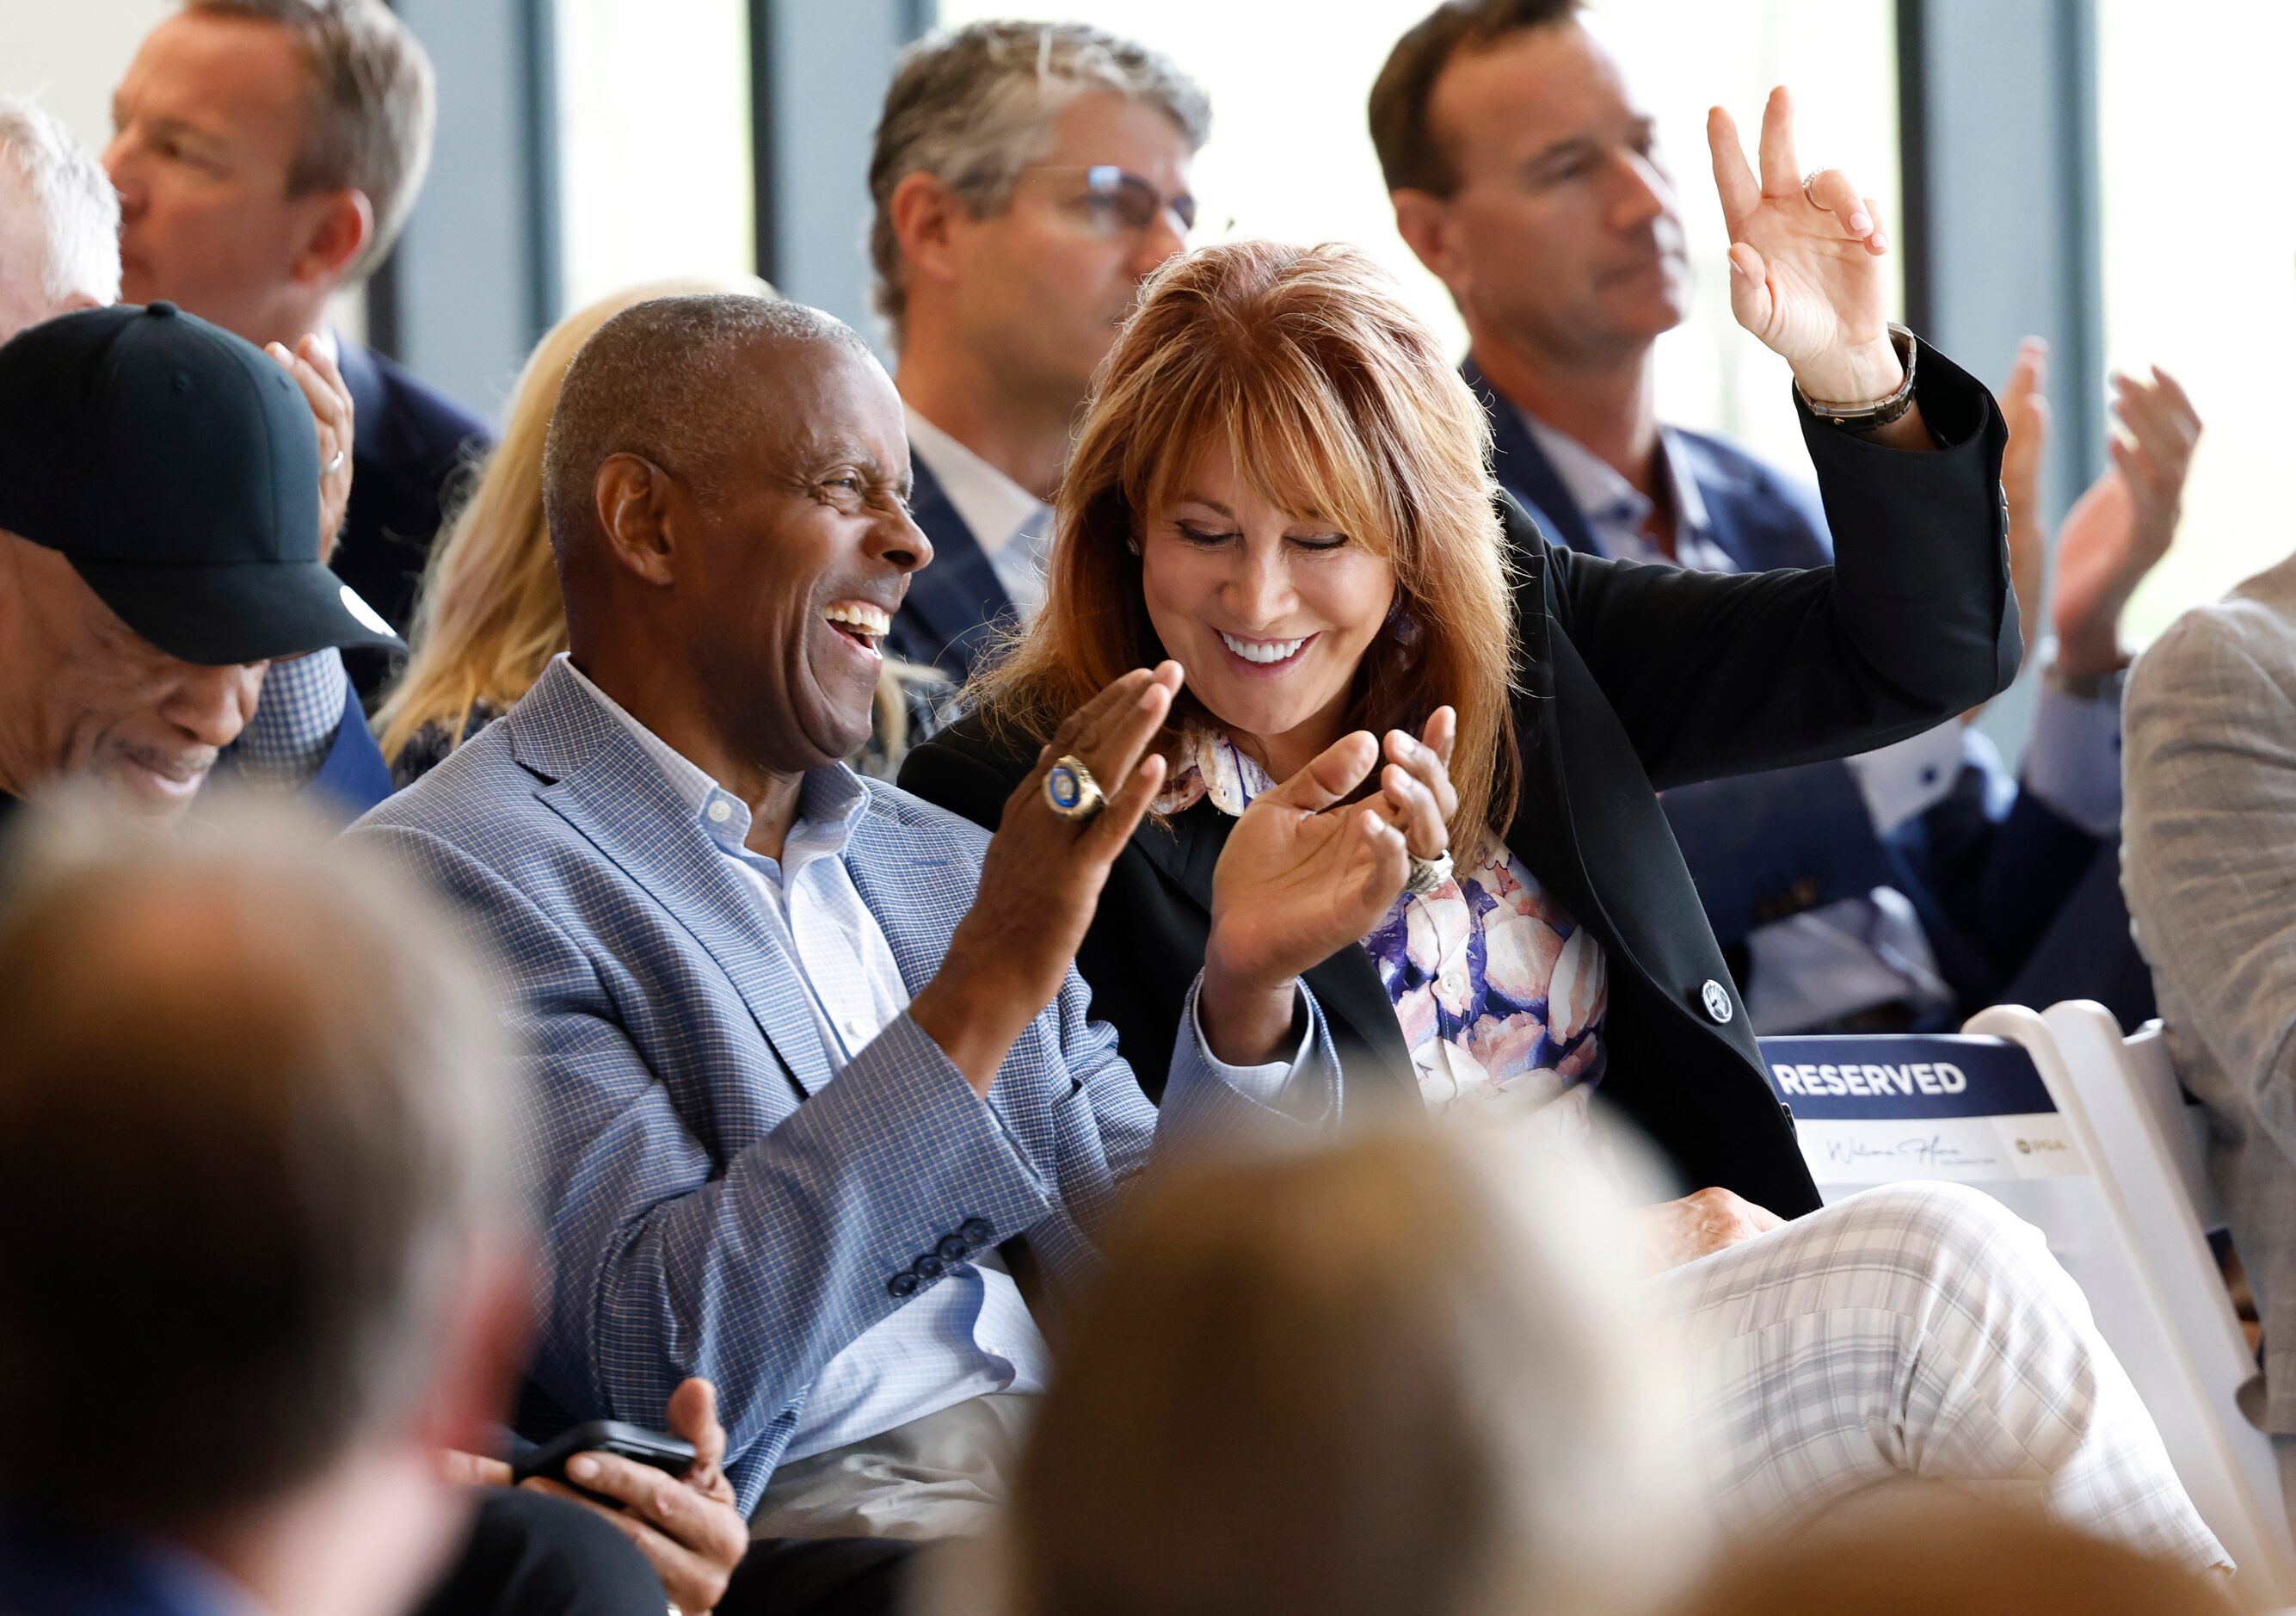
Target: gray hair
[[374, 105], [79, 209], [974, 107], [258, 1067]]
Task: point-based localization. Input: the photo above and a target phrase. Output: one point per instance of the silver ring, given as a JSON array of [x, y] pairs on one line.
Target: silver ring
[[1428, 874], [1807, 180], [1073, 792], [336, 464]]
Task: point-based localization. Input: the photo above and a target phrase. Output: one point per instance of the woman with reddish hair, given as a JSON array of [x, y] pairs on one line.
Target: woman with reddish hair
[[1281, 485]]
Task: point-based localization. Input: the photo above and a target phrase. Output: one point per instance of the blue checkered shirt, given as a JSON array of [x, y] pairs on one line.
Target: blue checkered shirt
[[293, 726], [728, 1185]]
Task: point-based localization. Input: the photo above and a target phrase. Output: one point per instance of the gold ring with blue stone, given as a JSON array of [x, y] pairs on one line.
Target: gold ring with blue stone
[[1073, 792]]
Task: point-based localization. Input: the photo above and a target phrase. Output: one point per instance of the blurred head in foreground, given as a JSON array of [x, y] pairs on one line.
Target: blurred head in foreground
[[1910, 1549], [253, 1141], [1403, 1373]]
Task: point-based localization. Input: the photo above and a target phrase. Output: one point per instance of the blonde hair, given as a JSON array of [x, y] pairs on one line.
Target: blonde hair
[[1332, 397], [490, 616], [1403, 1372]]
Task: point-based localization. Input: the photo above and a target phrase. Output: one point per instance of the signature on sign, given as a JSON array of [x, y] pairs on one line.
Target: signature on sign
[[1925, 1149]]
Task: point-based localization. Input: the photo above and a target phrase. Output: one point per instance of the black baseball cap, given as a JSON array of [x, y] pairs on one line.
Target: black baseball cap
[[177, 467]]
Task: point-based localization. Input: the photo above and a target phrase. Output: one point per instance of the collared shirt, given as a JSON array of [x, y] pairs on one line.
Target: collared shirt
[[293, 726], [1620, 513], [973, 1332], [1814, 968], [1012, 526]]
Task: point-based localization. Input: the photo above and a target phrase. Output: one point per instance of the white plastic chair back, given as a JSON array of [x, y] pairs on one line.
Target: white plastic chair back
[[1994, 1108]]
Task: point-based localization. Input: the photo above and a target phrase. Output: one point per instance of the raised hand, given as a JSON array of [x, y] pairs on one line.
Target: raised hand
[[2119, 530], [1041, 878], [330, 398], [1804, 263]]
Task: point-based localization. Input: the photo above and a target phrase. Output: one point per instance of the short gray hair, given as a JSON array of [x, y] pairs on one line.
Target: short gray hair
[[972, 108], [665, 379], [374, 105], [256, 1064], [79, 209]]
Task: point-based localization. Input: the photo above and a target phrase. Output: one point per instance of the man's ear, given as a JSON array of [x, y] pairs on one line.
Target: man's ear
[[482, 1342], [1424, 220], [633, 500], [342, 222], [925, 213]]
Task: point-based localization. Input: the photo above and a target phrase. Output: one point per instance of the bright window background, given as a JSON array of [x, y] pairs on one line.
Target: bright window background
[[654, 143], [2199, 244], [1291, 157]]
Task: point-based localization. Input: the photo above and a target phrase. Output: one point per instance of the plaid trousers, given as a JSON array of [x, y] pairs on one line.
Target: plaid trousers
[[1917, 1330]]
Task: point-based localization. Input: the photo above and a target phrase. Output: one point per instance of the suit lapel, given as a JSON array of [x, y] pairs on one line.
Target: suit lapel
[[1347, 985], [1523, 469], [604, 786], [955, 600]]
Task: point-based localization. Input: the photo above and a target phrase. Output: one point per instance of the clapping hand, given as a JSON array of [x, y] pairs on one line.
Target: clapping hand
[[1805, 265], [2117, 531], [1302, 877], [1041, 878], [2025, 411]]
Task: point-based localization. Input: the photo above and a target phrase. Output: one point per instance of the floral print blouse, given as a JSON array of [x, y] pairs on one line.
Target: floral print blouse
[[1501, 994]]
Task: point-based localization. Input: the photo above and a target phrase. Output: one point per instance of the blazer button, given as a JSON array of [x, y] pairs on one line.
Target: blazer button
[[952, 1247], [1717, 1000], [927, 1267], [976, 1231], [904, 1284]]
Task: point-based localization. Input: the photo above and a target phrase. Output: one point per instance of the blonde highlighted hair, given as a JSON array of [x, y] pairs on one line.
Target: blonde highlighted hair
[[490, 616], [1333, 399]]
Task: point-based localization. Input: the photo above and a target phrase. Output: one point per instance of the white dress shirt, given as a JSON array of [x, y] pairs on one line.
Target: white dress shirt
[[1816, 967], [973, 1332], [1010, 524]]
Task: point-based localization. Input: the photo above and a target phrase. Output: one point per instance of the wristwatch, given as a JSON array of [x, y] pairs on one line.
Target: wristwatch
[[1867, 417]]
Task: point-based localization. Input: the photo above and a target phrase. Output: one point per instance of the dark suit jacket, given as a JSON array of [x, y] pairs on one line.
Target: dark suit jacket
[[1635, 678], [409, 442], [1761, 847], [353, 777], [951, 614]]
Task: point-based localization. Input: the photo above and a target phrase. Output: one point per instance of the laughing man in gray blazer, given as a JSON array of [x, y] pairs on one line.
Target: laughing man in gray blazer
[[2209, 863], [809, 1052]]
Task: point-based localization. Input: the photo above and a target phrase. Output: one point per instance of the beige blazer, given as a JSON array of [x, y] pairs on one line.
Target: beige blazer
[[2208, 860]]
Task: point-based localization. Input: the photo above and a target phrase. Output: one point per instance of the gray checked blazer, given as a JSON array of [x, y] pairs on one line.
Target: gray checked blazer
[[2209, 864], [712, 1203]]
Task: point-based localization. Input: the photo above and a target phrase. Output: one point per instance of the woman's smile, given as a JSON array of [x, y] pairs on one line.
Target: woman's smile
[[1263, 659]]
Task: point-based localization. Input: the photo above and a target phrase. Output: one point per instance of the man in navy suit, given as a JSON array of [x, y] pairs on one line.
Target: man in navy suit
[[1906, 887], [266, 155], [1028, 177]]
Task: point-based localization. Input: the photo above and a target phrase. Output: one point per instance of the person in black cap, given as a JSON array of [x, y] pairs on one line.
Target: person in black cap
[[158, 503]]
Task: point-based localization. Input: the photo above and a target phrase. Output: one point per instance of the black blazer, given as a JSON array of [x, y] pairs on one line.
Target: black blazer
[[408, 444], [1634, 679], [955, 607]]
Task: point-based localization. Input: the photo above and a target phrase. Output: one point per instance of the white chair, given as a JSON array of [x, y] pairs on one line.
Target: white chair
[[2182, 1121], [1996, 1107], [2146, 1140]]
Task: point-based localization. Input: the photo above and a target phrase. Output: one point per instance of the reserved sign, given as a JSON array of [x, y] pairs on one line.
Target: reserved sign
[[1881, 1110]]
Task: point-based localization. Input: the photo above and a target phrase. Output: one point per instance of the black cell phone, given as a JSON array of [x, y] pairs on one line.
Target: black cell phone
[[664, 1452]]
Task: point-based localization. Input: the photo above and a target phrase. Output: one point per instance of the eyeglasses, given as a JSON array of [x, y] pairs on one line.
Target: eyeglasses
[[1110, 201]]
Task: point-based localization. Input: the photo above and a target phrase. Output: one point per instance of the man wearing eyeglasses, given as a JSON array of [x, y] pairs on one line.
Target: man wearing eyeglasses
[[1027, 177]]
